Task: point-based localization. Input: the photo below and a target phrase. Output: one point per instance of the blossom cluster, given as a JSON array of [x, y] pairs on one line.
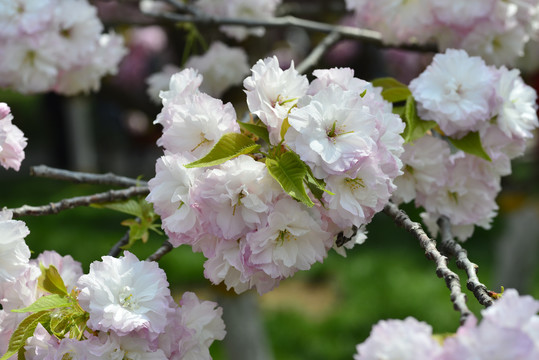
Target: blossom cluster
[[12, 140], [465, 98], [495, 30], [253, 232], [129, 309], [55, 45], [221, 66], [509, 330]]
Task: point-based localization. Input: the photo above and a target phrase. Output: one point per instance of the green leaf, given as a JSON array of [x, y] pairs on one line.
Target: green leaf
[[260, 131], [130, 207], [399, 110], [317, 186], [289, 171], [46, 303], [284, 127], [396, 94], [415, 126], [230, 145], [471, 144], [23, 331], [51, 281], [393, 90], [388, 83]]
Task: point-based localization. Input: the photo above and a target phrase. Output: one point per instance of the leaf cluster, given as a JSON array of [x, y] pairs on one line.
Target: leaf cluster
[[59, 313]]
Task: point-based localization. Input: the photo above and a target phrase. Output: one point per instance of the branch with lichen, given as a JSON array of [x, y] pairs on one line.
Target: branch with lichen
[[99, 198], [165, 248], [453, 249], [84, 178], [452, 280]]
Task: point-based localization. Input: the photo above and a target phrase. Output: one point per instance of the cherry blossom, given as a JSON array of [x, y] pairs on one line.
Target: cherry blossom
[[273, 92], [457, 91], [406, 339], [125, 295]]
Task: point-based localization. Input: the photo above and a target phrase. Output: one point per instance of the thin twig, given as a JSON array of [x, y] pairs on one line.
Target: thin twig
[[351, 32], [84, 178], [431, 252], [117, 248], [188, 8], [54, 208], [164, 249], [451, 248], [318, 52]]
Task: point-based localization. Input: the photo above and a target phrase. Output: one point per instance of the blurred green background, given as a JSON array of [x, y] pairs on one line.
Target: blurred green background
[[319, 314]]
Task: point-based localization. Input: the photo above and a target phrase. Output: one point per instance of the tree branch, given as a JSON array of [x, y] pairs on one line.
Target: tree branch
[[117, 248], [84, 178], [54, 208], [164, 249], [318, 52], [351, 32], [451, 248], [431, 252]]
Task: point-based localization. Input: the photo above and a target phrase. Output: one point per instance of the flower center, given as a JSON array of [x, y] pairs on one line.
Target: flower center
[[355, 184], [334, 131], [203, 141], [285, 235], [127, 300]]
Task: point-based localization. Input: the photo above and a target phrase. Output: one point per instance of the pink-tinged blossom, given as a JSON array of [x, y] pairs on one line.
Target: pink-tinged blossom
[[496, 44], [457, 91], [404, 21], [467, 197], [204, 324], [356, 199], [343, 77], [22, 291], [12, 140], [180, 88], [273, 92], [333, 133], [198, 125], [14, 253], [170, 194], [40, 345], [18, 17], [55, 45], [86, 76], [488, 342], [70, 270], [462, 14], [424, 168], [512, 310], [221, 66], [406, 339], [292, 240], [235, 197], [75, 26], [517, 113], [106, 346], [28, 64], [243, 9], [159, 82], [125, 295], [226, 266]]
